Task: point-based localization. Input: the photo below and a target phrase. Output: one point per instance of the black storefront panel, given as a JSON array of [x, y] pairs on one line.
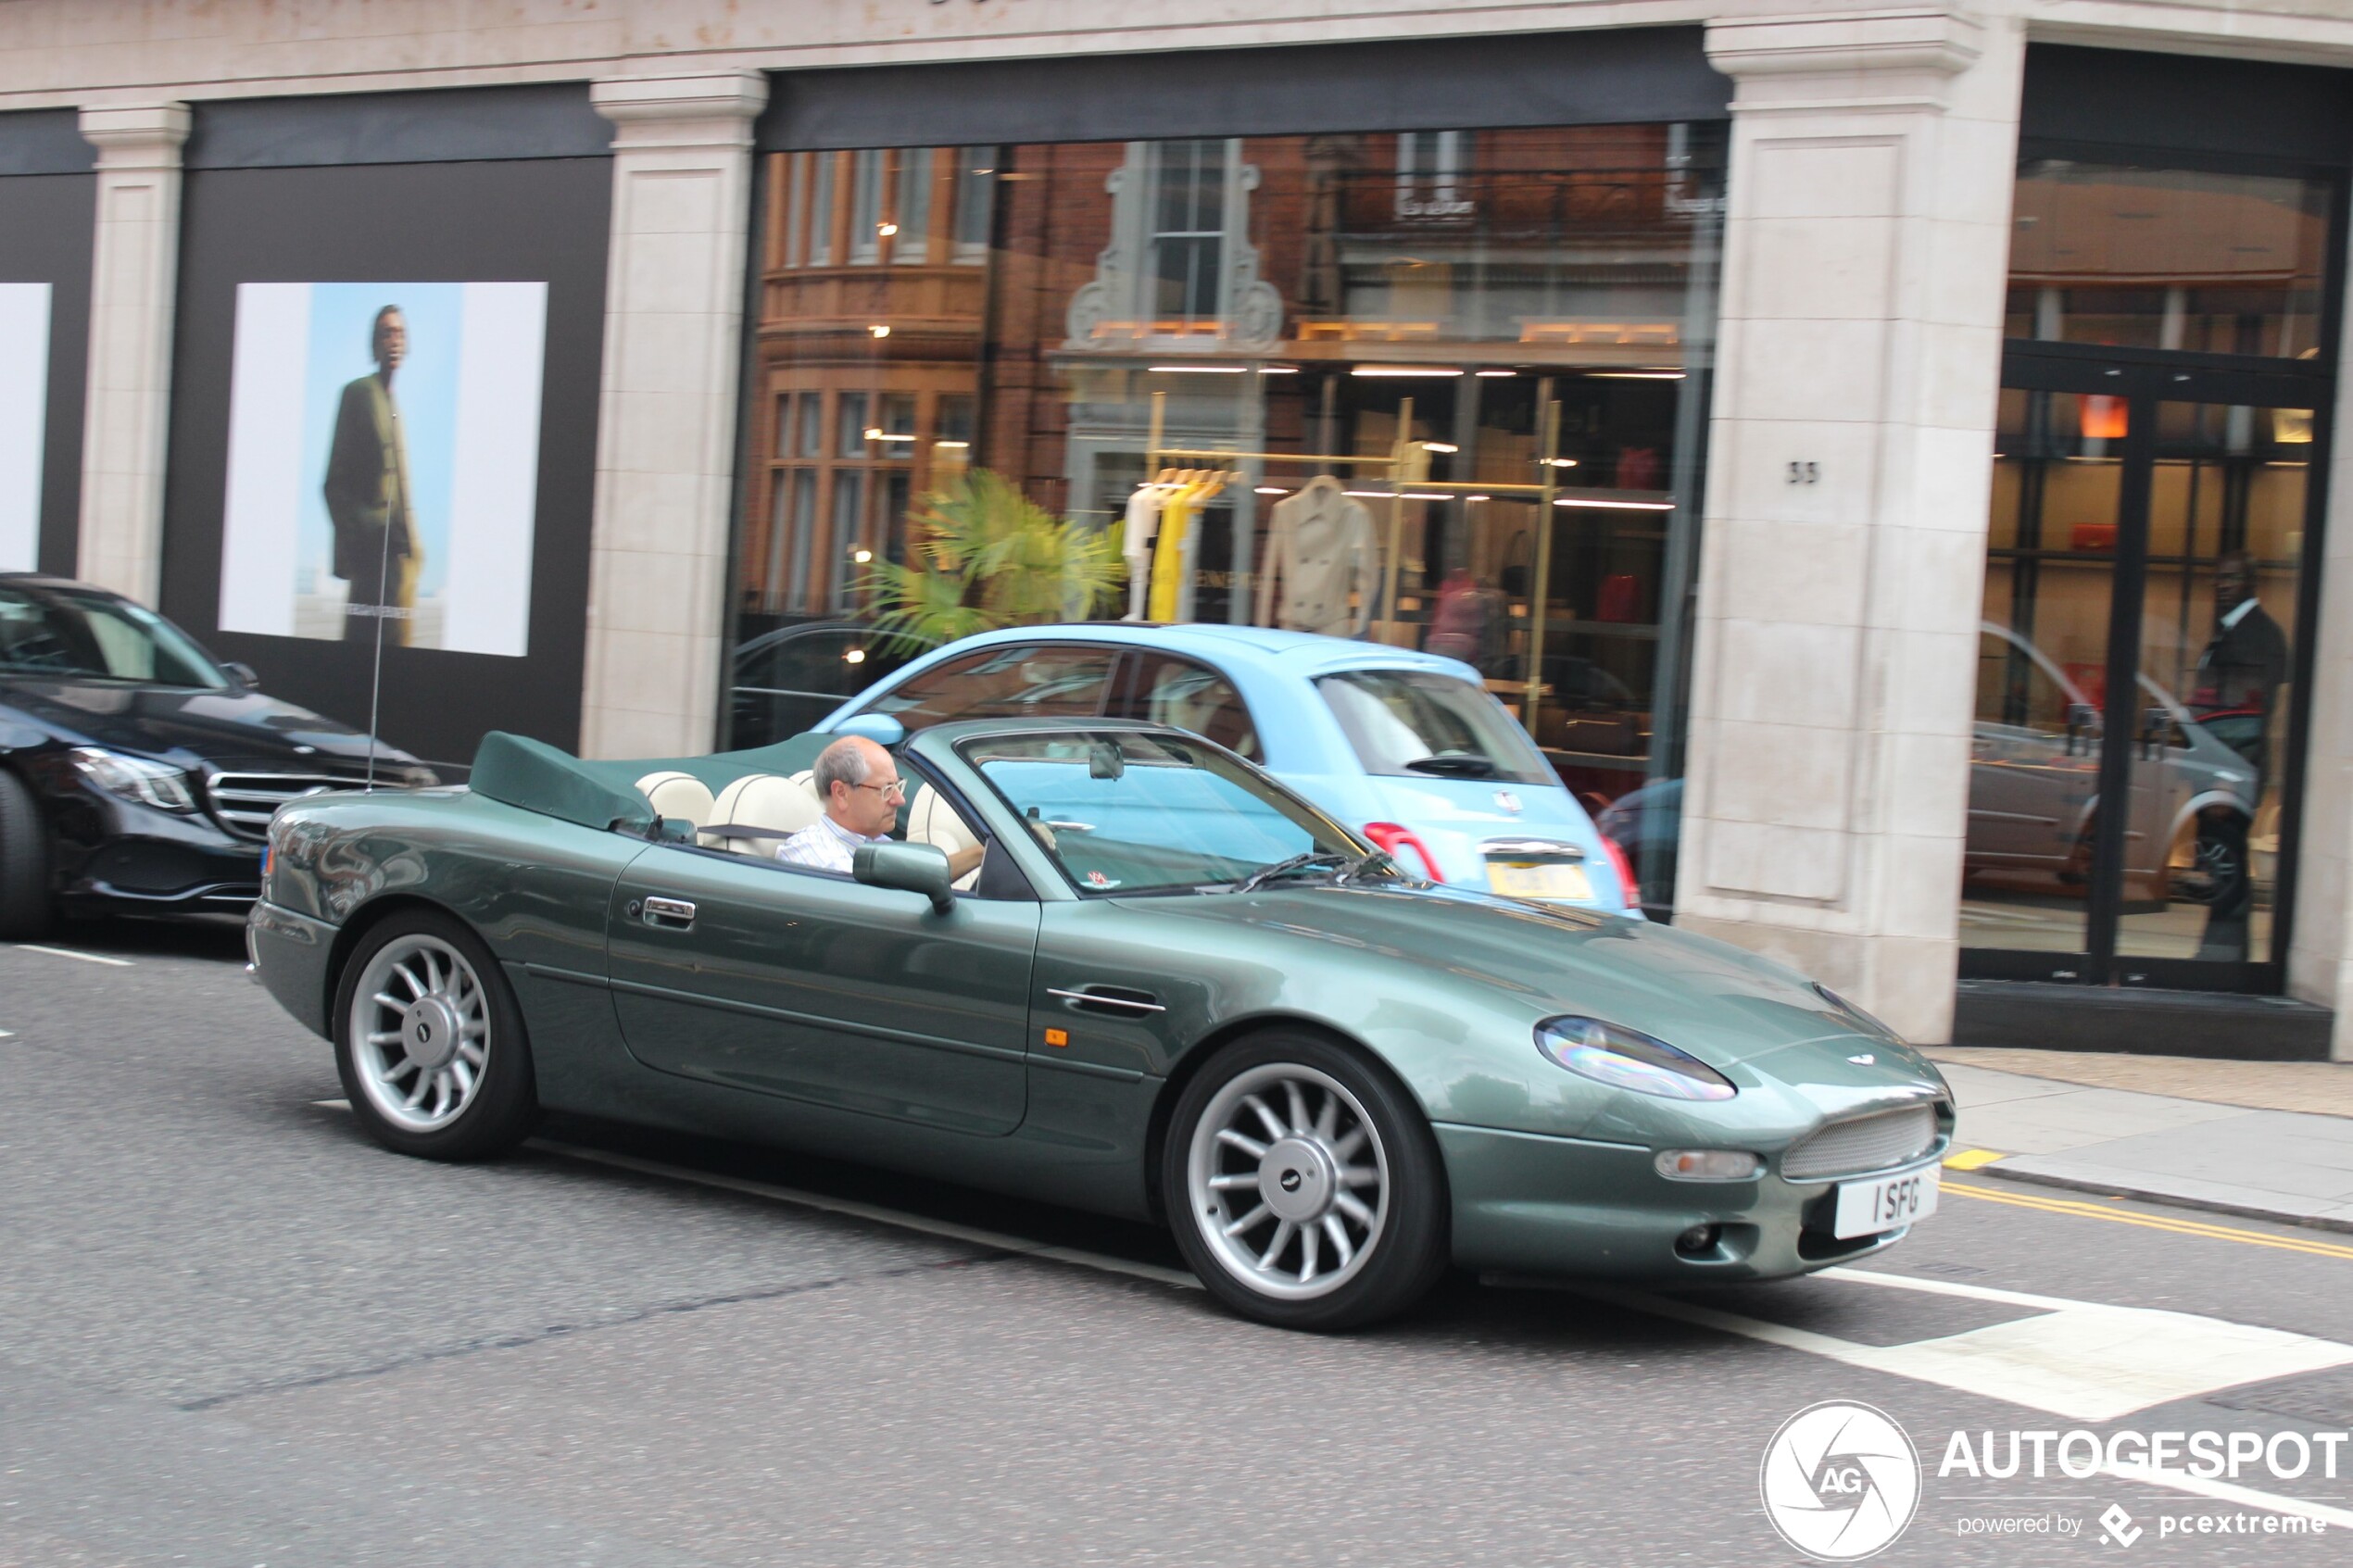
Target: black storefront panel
[[46, 196], [312, 501]]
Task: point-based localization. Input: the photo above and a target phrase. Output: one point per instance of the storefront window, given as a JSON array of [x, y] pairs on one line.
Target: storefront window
[[1441, 389], [2169, 259]]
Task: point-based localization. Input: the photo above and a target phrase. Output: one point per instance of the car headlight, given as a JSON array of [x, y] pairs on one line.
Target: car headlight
[[1625, 1058], [134, 779], [1863, 1021]]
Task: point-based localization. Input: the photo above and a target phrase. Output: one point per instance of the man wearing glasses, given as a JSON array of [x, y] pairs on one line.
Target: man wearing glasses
[[861, 791]]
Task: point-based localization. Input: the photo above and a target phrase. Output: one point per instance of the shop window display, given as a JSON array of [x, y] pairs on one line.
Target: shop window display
[[1438, 389]]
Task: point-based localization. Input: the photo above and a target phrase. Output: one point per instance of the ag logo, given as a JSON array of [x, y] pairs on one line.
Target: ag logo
[[1839, 1481]]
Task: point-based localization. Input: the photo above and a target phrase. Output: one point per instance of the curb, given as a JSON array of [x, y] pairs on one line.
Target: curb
[[2126, 1188]]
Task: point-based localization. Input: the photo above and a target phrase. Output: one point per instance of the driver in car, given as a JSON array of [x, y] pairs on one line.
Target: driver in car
[[860, 786]]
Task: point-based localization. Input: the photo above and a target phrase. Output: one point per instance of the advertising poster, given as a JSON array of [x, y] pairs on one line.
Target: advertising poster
[[24, 406], [383, 460]]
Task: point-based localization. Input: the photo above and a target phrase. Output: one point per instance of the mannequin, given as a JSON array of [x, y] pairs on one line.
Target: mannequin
[[1319, 551]]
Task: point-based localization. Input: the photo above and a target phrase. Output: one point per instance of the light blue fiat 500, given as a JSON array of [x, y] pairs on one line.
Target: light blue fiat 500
[[1407, 747]]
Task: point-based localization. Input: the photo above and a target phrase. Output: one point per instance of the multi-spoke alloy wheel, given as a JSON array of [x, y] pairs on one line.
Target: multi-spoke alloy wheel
[[420, 1028], [1303, 1184], [430, 1042], [1293, 1180]]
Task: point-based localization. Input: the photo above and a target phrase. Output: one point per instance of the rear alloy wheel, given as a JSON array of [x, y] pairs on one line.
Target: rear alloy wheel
[[1304, 1186], [429, 1043], [24, 864]]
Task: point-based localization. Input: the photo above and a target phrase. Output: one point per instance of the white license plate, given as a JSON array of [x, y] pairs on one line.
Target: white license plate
[[1538, 879], [1886, 1203]]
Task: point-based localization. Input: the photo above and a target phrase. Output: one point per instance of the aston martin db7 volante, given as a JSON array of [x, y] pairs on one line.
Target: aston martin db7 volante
[[1167, 987]]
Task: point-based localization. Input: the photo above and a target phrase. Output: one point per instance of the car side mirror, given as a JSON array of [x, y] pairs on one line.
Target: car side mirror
[[910, 868], [243, 674]]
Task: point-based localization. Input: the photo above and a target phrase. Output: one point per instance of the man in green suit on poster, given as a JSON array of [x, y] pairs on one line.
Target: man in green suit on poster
[[377, 550]]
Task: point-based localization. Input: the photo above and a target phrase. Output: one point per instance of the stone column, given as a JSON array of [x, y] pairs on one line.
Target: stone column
[[2320, 958], [134, 276], [666, 427], [1842, 562]]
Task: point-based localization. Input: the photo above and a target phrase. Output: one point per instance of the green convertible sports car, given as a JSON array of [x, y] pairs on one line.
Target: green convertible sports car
[[1167, 987]]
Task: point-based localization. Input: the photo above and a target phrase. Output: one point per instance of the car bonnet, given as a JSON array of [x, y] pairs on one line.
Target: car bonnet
[[1720, 1004]]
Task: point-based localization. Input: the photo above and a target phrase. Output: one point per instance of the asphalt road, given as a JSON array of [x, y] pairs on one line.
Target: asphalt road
[[233, 1332]]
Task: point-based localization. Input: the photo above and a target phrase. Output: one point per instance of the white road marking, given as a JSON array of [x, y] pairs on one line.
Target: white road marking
[[2224, 1491], [69, 953], [995, 1240], [2082, 1360]]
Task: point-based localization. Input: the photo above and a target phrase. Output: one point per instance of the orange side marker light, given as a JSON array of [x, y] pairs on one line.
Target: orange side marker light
[[1058, 1036]]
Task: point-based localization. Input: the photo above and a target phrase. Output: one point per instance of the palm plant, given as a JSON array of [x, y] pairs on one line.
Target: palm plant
[[982, 554]]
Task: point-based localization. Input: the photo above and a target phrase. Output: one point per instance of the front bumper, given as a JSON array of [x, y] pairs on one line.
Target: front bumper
[[1528, 1203], [116, 857], [290, 955]]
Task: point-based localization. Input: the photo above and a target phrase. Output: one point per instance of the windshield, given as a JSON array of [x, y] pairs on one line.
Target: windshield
[[1122, 811], [1412, 724], [71, 632]]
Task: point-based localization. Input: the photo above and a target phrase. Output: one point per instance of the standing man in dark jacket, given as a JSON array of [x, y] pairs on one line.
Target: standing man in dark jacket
[[2243, 666], [2245, 661], [377, 550]]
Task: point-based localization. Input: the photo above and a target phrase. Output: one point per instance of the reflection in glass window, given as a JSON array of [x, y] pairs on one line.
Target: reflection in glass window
[[2168, 258], [975, 201], [820, 207], [1188, 232], [850, 431], [849, 535], [865, 205], [1492, 345], [911, 210]]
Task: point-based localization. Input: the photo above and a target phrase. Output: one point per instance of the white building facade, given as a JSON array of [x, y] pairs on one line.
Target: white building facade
[[1856, 440]]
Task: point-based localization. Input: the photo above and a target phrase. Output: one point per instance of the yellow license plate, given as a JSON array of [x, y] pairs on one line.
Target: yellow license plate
[[1538, 879]]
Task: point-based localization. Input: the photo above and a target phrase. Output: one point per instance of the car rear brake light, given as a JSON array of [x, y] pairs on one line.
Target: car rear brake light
[[1629, 888], [1391, 836]]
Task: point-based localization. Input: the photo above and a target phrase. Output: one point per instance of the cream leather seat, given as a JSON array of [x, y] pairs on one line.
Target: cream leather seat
[[930, 820], [677, 795], [769, 809]]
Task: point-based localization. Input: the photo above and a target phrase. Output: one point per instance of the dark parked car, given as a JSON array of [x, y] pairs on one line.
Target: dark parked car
[[788, 679], [138, 772]]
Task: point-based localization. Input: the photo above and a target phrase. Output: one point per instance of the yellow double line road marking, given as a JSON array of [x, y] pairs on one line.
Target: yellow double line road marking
[[2314, 1246]]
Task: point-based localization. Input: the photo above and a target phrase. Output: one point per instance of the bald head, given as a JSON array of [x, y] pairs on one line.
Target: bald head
[[858, 784]]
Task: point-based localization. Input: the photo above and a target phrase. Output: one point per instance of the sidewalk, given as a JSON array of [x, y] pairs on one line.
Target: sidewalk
[[2271, 1140]]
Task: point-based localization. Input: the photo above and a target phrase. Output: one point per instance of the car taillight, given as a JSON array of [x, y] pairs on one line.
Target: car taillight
[[1391, 836], [1627, 886]]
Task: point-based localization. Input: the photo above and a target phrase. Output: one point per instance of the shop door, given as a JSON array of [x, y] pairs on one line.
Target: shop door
[[2134, 750]]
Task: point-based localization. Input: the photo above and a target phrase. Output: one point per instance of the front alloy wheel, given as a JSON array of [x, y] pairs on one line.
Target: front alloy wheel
[[1312, 1198], [429, 1043]]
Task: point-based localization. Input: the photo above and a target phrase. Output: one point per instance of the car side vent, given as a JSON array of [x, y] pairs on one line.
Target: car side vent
[[1111, 1001], [1867, 1143]]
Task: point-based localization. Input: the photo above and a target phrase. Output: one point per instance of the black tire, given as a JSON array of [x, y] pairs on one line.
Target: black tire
[[24, 863], [502, 1106], [1397, 1262]]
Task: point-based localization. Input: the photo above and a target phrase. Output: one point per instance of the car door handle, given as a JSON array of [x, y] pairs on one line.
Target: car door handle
[[1107, 999], [672, 914]]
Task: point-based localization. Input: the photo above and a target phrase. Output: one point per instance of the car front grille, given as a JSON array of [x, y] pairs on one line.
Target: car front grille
[[1867, 1143], [244, 802]]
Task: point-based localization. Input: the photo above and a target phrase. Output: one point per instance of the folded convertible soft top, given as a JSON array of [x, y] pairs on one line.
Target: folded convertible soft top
[[538, 777]]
